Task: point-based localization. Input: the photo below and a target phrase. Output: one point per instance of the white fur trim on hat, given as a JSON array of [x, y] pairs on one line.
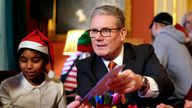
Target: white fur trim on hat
[[33, 45]]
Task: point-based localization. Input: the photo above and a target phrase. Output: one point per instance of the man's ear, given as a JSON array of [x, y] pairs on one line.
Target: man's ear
[[123, 33], [156, 25]]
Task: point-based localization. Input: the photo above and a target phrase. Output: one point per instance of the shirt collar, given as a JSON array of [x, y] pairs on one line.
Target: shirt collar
[[29, 86], [118, 60]]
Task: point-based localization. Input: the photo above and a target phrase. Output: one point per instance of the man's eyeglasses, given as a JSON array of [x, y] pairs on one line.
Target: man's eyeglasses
[[105, 32]]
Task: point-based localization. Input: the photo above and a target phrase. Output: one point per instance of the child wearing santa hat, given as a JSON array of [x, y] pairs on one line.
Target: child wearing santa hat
[[32, 88]]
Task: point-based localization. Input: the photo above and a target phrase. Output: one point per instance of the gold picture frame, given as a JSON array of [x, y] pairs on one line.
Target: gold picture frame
[[53, 36]]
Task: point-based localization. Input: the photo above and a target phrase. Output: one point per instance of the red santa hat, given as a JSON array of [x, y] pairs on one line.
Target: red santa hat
[[38, 41]]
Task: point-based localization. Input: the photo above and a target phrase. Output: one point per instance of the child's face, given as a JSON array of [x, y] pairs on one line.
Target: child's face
[[31, 64]]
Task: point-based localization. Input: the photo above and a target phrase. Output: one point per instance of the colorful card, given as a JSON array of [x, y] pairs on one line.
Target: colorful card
[[100, 87]]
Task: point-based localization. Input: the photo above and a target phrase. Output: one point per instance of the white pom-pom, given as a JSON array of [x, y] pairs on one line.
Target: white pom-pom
[[51, 74]]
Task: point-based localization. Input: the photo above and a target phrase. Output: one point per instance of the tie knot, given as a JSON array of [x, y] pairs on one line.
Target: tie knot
[[111, 65]]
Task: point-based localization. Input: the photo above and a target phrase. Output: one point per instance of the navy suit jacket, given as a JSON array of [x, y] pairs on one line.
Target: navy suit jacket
[[140, 59]]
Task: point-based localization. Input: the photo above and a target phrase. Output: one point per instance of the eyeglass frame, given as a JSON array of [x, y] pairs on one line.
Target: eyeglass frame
[[103, 30]]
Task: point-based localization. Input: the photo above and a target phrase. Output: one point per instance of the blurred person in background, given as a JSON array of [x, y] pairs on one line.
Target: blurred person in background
[[187, 42], [186, 22], [69, 70], [173, 55]]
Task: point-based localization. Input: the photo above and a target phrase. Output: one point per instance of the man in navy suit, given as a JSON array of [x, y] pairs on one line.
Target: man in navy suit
[[143, 80]]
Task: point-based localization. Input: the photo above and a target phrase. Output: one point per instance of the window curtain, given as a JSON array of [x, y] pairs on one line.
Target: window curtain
[[7, 58], [177, 8]]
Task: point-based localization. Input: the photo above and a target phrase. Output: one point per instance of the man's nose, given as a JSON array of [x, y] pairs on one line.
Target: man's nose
[[98, 35]]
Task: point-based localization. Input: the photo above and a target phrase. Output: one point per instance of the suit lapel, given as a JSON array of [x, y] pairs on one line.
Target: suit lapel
[[129, 61], [99, 68], [129, 57]]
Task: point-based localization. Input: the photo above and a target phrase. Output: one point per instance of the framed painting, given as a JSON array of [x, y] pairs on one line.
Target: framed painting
[[75, 14]]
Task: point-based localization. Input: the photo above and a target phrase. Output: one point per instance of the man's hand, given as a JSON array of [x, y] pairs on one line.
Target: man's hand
[[188, 104], [126, 82], [163, 106], [76, 103]]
